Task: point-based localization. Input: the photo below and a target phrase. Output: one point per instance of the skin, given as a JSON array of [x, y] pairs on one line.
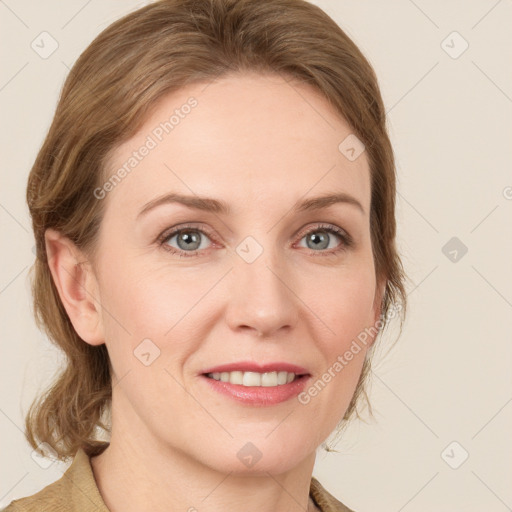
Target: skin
[[260, 143]]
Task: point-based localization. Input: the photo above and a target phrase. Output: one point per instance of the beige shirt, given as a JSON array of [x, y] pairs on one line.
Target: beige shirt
[[76, 491]]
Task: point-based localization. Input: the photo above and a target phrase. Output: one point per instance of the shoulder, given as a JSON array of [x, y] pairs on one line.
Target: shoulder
[[75, 491], [325, 501], [54, 497]]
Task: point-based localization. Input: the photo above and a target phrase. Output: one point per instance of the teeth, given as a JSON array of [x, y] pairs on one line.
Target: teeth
[[268, 379]]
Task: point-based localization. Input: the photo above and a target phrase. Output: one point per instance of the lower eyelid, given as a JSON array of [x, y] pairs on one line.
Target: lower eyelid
[[345, 240], [168, 236]]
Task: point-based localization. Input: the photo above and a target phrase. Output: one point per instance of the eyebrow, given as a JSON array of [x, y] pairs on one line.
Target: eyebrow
[[208, 204]]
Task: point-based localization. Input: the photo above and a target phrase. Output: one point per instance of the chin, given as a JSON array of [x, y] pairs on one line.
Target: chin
[[258, 456]]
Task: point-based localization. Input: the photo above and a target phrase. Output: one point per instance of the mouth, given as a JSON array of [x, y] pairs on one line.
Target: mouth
[[257, 385], [255, 379]]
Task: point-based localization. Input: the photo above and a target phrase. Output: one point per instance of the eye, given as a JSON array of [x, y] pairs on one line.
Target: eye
[[323, 236], [188, 239]]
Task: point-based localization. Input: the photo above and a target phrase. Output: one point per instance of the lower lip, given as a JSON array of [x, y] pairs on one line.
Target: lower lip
[[259, 395]]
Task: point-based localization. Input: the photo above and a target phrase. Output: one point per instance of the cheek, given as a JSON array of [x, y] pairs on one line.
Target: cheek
[[346, 317], [150, 301], [343, 303], [155, 303]]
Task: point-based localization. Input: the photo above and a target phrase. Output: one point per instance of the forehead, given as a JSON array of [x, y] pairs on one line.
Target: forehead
[[249, 139]]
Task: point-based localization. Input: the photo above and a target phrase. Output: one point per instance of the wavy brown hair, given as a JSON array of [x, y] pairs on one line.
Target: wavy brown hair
[[106, 97]]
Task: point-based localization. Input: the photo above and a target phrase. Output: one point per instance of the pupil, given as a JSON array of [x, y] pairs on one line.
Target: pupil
[[321, 241], [188, 237]]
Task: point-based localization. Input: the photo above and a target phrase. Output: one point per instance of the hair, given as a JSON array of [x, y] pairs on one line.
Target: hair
[[105, 99]]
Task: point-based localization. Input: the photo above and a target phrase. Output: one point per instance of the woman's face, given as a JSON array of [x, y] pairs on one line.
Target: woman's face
[[260, 281]]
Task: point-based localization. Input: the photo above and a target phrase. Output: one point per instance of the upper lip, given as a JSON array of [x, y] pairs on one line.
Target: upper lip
[[250, 366]]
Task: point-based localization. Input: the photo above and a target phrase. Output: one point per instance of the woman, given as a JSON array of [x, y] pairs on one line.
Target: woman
[[214, 214]]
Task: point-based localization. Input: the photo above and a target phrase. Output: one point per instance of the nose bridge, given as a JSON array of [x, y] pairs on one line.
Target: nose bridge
[[260, 298]]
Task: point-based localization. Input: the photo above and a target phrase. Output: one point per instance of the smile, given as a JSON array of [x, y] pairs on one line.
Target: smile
[[250, 379], [271, 385]]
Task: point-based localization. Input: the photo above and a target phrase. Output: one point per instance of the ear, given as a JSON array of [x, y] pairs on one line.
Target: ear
[[77, 286]]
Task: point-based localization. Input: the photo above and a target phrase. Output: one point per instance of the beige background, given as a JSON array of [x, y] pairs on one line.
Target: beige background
[[449, 377]]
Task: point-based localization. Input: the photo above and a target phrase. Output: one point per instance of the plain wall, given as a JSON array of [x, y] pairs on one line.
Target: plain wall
[[444, 391]]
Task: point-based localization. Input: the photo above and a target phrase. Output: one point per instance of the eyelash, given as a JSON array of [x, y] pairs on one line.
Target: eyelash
[[346, 239]]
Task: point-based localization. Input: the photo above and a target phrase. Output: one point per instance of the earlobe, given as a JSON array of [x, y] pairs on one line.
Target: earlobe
[[77, 286]]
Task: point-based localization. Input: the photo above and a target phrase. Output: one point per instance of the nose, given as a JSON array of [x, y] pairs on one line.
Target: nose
[[261, 298]]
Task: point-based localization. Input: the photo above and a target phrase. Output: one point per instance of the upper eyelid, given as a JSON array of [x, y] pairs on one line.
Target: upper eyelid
[[167, 234]]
